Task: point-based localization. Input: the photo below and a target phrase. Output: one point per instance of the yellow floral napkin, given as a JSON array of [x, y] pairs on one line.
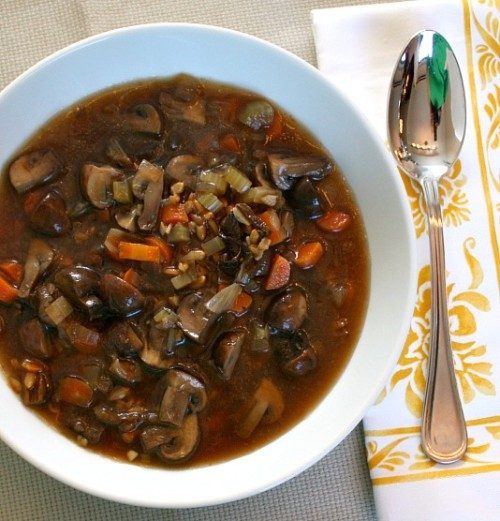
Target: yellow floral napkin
[[357, 47]]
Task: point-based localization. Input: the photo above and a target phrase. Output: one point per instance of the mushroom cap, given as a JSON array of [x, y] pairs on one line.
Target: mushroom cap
[[40, 257], [177, 393], [97, 183], [186, 382], [34, 169], [121, 297], [288, 310], [194, 317], [147, 184], [143, 118], [46, 212], [184, 168], [183, 441]]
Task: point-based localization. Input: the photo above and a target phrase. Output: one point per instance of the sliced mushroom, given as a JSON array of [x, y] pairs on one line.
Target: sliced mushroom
[[227, 351], [184, 168], [97, 184], [220, 324], [259, 336], [183, 441], [116, 154], [261, 175], [296, 355], [126, 218], [44, 295], [82, 423], [82, 338], [147, 184], [111, 415], [288, 310], [122, 339], [266, 407], [286, 169], [35, 339], [121, 297], [247, 216], [75, 391], [126, 372], [179, 393], [230, 228], [46, 212], [40, 257], [81, 286], [36, 384], [154, 436], [305, 198], [143, 118], [154, 352], [192, 110], [34, 169], [194, 317]]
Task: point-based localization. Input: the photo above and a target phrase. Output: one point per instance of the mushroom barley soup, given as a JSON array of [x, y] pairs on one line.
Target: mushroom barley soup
[[183, 272]]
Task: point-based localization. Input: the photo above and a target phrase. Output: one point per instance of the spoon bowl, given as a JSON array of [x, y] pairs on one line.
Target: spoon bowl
[[426, 126], [427, 111]]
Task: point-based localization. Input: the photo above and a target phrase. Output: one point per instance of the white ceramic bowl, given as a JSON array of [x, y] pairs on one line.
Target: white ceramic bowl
[[226, 56]]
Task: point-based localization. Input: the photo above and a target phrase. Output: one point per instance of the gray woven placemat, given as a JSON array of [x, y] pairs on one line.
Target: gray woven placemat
[[336, 488]]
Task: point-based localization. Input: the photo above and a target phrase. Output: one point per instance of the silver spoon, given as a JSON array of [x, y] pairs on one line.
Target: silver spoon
[[426, 130]]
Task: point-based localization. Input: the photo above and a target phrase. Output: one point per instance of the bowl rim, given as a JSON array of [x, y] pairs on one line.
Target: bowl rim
[[277, 477]]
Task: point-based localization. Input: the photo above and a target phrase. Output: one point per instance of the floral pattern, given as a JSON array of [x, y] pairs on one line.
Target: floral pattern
[[453, 198], [471, 369]]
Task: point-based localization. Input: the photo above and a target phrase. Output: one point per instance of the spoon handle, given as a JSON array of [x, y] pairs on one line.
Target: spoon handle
[[444, 435]]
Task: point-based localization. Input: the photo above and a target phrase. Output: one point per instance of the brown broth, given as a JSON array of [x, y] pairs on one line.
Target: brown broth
[[78, 135]]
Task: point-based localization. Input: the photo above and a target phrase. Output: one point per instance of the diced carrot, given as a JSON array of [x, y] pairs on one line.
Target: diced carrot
[[232, 108], [242, 303], [166, 251], [230, 142], [334, 221], [75, 391], [8, 293], [309, 254], [131, 276], [103, 215], [275, 129], [272, 221], [174, 213], [279, 274], [138, 252], [13, 270]]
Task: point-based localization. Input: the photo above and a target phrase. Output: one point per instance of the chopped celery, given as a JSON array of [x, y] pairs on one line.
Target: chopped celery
[[58, 310], [261, 195], [184, 279], [210, 201], [237, 180], [213, 246], [212, 182], [178, 233], [122, 192]]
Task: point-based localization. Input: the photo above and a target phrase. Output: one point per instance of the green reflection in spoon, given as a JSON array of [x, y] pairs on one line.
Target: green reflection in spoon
[[438, 74]]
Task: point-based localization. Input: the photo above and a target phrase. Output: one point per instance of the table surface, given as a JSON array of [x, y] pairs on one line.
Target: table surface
[[336, 488]]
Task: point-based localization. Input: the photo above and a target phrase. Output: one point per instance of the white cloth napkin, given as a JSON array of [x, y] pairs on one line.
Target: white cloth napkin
[[357, 48]]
